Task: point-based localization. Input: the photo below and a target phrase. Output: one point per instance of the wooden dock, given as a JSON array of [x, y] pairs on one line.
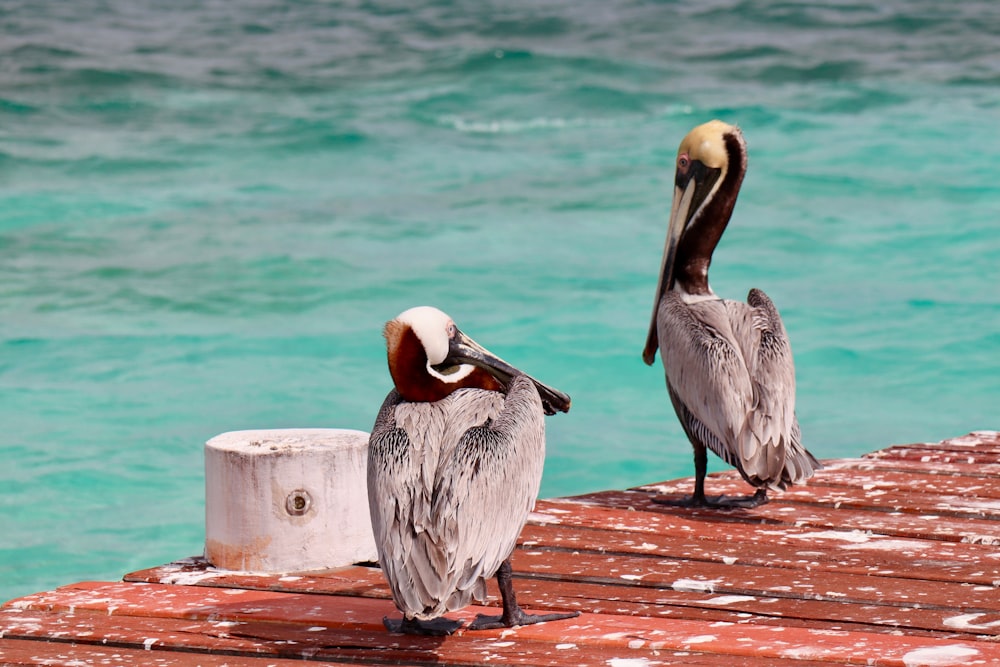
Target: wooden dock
[[890, 559]]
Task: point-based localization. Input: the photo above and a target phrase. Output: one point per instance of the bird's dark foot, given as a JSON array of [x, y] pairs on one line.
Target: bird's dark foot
[[716, 502], [518, 617], [437, 627]]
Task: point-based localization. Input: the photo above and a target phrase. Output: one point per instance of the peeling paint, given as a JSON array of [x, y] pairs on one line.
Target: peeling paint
[[965, 622], [723, 600], [700, 639], [855, 536], [694, 586], [955, 654]]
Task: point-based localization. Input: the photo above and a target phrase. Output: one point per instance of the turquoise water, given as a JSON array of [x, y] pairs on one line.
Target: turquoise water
[[207, 212]]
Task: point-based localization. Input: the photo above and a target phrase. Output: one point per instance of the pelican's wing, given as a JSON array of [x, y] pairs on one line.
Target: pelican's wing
[[772, 423], [393, 479], [707, 376], [487, 486]]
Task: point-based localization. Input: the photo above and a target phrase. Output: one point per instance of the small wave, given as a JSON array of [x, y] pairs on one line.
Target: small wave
[[16, 108], [742, 54], [543, 123], [509, 126], [825, 71], [32, 52], [97, 78]]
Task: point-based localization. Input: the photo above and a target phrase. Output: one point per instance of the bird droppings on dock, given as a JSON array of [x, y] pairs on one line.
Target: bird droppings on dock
[[794, 582]]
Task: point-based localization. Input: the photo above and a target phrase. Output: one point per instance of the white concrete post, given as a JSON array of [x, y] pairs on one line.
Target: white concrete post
[[287, 500]]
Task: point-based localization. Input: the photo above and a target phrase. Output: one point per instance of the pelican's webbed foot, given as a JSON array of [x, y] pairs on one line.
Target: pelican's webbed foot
[[516, 617], [436, 627], [717, 502], [512, 613]]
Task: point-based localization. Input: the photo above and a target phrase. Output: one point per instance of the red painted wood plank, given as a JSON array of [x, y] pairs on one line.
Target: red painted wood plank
[[897, 524], [39, 653], [547, 645], [624, 597], [933, 456], [718, 607], [975, 441], [738, 579], [360, 581], [989, 470], [680, 576], [913, 480], [873, 498], [790, 549], [601, 638], [765, 545]]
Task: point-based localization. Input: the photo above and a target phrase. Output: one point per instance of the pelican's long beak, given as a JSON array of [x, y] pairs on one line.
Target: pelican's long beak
[[464, 350], [680, 212]]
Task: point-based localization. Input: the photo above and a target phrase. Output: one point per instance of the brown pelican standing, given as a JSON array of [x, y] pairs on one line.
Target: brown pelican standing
[[454, 465], [728, 364]]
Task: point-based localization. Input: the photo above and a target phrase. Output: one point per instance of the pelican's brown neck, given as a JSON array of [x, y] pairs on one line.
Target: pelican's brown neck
[[408, 368], [701, 236]]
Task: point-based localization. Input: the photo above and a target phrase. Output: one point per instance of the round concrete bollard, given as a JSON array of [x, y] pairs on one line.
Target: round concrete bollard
[[287, 500]]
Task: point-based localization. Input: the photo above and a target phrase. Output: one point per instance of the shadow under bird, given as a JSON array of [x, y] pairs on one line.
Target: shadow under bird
[[454, 466], [728, 364]]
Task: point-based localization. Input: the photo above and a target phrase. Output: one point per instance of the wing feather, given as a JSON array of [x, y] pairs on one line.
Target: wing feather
[[731, 380], [707, 376], [393, 481], [774, 423], [489, 484], [450, 487]]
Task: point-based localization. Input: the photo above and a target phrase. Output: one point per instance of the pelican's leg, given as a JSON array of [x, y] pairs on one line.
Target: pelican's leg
[[699, 499], [512, 613], [700, 470], [437, 627]]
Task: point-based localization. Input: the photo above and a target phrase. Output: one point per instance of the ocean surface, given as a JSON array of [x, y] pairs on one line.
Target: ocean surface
[[209, 209]]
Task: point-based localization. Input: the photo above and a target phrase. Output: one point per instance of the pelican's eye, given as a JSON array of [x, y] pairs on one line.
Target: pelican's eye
[[452, 330], [683, 162]]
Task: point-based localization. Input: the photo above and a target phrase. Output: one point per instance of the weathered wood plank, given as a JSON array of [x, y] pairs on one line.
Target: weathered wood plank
[[262, 621], [738, 579], [356, 580], [365, 642], [935, 456], [851, 552], [913, 480], [787, 547], [895, 524], [625, 597], [716, 607], [980, 441], [871, 498], [989, 470], [46, 653]]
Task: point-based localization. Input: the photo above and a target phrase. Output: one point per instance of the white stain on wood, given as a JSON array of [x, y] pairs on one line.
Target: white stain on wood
[[287, 500], [628, 662], [699, 639], [966, 622], [939, 656], [724, 600], [694, 585]]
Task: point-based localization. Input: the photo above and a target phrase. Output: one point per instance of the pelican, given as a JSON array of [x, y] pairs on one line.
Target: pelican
[[454, 465], [728, 364]]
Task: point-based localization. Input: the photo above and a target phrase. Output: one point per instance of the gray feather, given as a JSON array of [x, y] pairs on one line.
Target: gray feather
[[450, 485], [731, 380]]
